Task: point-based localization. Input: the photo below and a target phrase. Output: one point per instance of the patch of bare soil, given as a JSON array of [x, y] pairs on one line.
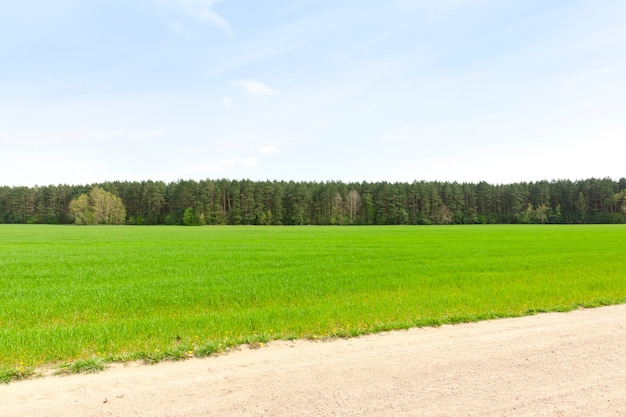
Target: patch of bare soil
[[558, 364]]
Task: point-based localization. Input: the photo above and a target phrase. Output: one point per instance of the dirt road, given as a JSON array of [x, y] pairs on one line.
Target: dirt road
[[559, 364]]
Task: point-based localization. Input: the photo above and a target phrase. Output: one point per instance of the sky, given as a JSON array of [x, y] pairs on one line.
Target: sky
[[500, 91]]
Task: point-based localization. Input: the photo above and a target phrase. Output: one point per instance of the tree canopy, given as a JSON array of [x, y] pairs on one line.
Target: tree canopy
[[246, 202], [98, 207]]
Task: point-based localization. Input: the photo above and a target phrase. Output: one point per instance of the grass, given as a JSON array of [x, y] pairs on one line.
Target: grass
[[79, 298], [87, 366]]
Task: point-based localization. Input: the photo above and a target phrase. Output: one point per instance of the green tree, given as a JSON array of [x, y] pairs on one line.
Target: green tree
[[190, 218], [81, 209], [99, 207]]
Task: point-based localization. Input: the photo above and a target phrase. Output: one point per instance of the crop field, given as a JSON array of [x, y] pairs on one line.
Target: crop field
[[76, 298]]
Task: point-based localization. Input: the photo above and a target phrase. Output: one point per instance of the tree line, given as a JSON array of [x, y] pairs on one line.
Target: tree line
[[246, 202]]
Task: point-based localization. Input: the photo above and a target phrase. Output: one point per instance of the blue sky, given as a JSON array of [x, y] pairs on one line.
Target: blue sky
[[312, 90]]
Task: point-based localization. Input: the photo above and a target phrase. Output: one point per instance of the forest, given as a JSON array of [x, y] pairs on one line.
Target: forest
[[246, 202]]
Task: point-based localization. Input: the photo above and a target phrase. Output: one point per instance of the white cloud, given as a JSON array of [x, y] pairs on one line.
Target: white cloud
[[201, 10], [250, 161], [268, 150], [441, 4], [586, 76], [404, 134], [228, 102], [255, 88]]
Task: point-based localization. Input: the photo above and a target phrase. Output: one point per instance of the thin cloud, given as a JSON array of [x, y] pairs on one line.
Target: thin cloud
[[228, 103], [584, 77], [441, 4], [201, 10], [268, 150], [255, 88], [250, 162]]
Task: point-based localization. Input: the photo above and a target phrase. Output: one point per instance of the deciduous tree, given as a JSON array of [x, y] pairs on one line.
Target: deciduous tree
[[98, 207]]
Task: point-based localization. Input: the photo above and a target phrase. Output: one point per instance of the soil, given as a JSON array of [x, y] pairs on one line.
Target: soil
[[557, 364]]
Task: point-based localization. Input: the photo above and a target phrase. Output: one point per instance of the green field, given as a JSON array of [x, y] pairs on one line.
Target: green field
[[79, 297]]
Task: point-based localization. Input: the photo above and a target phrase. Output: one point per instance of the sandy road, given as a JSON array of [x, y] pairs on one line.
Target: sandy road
[[559, 364]]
